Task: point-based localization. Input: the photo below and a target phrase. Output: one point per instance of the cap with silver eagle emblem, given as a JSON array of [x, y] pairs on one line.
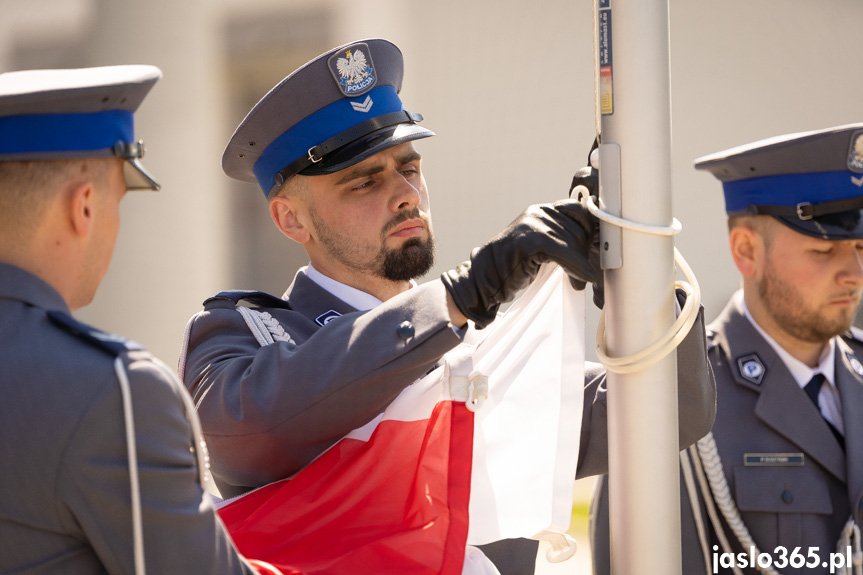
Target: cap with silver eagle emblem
[[331, 113], [810, 181]]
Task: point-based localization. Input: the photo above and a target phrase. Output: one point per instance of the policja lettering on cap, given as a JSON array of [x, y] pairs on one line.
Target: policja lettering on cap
[[810, 181], [335, 111], [76, 113]]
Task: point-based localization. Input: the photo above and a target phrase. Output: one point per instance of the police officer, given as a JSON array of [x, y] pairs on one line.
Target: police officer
[[102, 472], [789, 423], [333, 150]]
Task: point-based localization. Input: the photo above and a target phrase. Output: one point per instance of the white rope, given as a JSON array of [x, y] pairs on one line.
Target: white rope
[[264, 327], [722, 495], [132, 454], [851, 538], [678, 331], [712, 467], [589, 202], [709, 500], [692, 492], [201, 451]]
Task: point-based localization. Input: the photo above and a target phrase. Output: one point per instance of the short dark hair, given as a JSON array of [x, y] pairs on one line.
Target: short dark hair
[[760, 224], [26, 188]]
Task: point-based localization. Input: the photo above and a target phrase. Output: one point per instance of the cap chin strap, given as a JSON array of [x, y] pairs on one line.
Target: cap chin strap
[[137, 177], [317, 153], [804, 210]]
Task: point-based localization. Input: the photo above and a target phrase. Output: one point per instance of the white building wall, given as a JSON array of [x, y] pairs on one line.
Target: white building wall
[[168, 254]]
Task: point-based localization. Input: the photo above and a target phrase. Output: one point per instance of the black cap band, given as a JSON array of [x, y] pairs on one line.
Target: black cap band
[[804, 210], [317, 153]]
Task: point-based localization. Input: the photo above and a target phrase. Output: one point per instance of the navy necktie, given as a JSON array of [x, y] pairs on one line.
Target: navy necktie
[[812, 389]]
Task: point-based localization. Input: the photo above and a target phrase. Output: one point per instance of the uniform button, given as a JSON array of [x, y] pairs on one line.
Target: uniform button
[[787, 497], [405, 330]]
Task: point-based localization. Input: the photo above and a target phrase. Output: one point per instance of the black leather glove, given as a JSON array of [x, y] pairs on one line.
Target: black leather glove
[[589, 178], [562, 233]]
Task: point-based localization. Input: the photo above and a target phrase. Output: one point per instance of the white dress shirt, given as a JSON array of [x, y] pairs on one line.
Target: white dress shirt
[[828, 398]]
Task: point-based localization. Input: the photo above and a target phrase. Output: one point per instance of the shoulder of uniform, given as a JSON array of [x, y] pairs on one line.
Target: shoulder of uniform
[[854, 334], [110, 343], [711, 336], [255, 298]]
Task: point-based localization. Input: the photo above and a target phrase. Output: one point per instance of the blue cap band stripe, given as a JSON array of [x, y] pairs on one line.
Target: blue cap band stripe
[[46, 133], [789, 190], [319, 127]]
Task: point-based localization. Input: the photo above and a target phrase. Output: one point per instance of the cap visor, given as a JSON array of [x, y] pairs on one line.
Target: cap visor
[[366, 147], [842, 226], [137, 177]]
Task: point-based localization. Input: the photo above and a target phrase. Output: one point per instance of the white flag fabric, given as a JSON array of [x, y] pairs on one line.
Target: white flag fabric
[[526, 434], [481, 449]]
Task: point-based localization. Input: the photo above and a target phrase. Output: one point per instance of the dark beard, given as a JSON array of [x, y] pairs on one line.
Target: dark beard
[[412, 260], [789, 312]]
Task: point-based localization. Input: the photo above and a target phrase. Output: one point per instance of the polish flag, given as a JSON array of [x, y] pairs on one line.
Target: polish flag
[[483, 448]]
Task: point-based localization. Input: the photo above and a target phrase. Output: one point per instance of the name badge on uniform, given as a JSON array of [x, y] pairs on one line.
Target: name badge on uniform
[[773, 459]]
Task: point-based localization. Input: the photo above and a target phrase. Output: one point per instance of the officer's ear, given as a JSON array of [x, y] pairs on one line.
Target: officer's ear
[[747, 249], [284, 210], [80, 199]]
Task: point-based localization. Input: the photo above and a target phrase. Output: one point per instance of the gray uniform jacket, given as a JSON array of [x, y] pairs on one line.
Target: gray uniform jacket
[[268, 411], [64, 479], [767, 413]]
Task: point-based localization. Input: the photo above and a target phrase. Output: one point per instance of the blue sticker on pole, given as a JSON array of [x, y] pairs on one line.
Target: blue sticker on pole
[[606, 97]]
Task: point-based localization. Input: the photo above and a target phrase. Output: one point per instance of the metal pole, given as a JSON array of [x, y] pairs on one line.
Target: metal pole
[[635, 183]]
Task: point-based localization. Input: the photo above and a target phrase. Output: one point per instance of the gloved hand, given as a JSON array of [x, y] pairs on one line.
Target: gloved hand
[[589, 178], [563, 233]]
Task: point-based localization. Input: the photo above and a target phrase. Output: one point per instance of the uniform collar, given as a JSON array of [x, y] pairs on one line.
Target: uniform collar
[[359, 300], [801, 372], [18, 284], [788, 413]]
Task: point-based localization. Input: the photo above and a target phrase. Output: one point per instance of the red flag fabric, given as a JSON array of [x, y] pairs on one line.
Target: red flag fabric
[[394, 496], [396, 502]]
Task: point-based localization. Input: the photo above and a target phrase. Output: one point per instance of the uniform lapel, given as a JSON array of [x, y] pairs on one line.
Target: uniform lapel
[[781, 404], [313, 301], [850, 384]]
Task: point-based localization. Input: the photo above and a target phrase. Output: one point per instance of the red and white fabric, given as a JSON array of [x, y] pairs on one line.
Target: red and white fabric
[[407, 493]]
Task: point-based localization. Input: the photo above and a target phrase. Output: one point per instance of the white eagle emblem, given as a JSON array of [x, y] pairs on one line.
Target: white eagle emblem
[[354, 69], [855, 155]]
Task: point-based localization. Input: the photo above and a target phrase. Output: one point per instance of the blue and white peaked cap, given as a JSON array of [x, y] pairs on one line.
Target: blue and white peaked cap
[[810, 181], [333, 112], [76, 113]]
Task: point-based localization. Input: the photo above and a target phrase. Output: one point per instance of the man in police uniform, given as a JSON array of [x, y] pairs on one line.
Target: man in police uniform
[[789, 422], [332, 149], [99, 467]]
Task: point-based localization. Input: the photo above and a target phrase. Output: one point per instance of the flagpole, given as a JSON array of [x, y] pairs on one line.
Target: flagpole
[[635, 183]]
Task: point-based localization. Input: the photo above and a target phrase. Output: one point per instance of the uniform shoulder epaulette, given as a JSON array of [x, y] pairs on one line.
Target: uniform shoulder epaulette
[[855, 333], [256, 298], [110, 343]]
